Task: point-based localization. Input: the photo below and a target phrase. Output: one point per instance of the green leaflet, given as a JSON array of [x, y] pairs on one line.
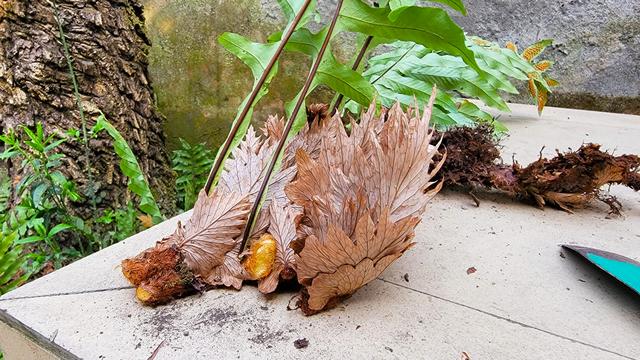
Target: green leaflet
[[470, 109], [131, 169], [449, 73], [256, 56], [11, 261], [398, 6], [430, 27], [505, 61], [518, 66], [290, 9], [339, 77], [306, 42], [391, 74], [331, 72], [191, 164], [344, 80]]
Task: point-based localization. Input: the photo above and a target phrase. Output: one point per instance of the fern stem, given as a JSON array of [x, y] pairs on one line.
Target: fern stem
[[76, 91], [256, 89], [394, 64], [356, 64], [287, 129]]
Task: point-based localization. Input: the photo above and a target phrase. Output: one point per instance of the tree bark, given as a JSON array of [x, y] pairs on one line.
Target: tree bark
[[109, 46]]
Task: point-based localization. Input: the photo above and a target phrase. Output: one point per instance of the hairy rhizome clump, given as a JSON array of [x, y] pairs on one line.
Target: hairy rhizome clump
[[569, 180]]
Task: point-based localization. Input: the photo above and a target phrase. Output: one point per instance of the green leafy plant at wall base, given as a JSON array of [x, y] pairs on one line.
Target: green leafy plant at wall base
[[131, 169]]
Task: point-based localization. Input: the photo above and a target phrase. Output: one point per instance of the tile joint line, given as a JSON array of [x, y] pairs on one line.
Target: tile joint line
[[66, 293]]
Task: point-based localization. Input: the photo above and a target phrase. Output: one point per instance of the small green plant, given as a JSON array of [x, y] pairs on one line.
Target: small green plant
[[191, 164], [43, 191], [116, 225], [12, 260], [40, 221]]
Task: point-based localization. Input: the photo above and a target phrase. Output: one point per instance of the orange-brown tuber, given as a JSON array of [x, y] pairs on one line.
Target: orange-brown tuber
[[263, 254]]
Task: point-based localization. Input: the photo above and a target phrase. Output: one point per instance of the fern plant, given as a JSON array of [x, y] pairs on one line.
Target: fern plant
[[11, 262], [397, 20], [408, 71], [191, 164], [425, 47], [445, 58]]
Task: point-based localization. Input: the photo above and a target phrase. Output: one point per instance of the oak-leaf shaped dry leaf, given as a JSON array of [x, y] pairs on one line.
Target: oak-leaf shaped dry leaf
[[362, 199], [210, 233], [279, 217]]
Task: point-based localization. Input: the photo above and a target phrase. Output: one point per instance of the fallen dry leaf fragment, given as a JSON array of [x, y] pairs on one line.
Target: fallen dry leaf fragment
[[301, 343], [362, 199]]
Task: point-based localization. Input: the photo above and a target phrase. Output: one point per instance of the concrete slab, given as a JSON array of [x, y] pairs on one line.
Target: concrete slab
[[525, 300]]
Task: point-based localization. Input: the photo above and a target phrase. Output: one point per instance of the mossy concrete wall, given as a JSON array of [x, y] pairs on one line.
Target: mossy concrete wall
[[199, 85]]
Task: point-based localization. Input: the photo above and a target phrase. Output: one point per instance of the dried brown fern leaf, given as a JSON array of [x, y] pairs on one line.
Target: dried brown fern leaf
[[362, 199], [282, 229]]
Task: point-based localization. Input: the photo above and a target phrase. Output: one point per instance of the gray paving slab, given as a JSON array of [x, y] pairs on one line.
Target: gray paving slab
[[525, 300]]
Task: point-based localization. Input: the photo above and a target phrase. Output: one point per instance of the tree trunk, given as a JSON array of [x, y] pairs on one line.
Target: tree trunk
[[107, 41]]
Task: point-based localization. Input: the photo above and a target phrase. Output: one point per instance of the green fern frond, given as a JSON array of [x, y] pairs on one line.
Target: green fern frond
[[11, 262], [191, 164]]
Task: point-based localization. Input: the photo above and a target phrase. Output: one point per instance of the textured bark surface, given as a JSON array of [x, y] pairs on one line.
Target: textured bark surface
[[108, 43]]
